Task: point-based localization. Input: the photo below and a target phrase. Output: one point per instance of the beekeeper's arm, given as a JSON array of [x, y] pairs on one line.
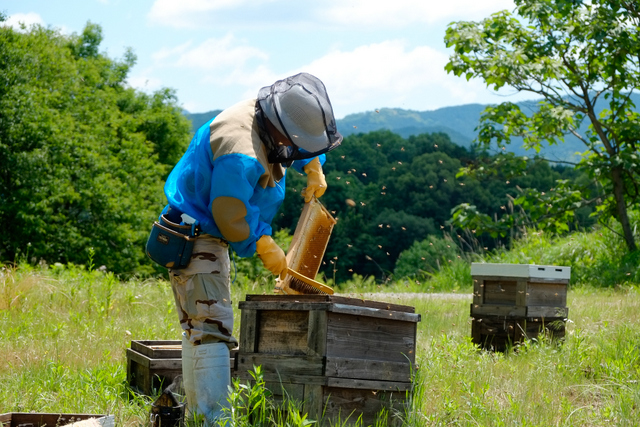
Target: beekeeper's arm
[[236, 176]]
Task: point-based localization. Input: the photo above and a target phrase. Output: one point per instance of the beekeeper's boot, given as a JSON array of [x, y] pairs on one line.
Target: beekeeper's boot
[[211, 377], [187, 372]]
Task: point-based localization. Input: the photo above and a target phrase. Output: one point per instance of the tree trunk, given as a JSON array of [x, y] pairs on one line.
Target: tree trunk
[[621, 208]]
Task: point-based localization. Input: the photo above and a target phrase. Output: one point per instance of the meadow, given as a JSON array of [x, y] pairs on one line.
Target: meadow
[[64, 330]]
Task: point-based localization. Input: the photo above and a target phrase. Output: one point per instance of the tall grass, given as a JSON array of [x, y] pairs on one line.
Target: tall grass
[[64, 331]]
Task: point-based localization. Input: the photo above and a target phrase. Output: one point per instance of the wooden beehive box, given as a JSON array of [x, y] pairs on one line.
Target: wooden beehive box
[[512, 302], [153, 365], [339, 356], [24, 419]]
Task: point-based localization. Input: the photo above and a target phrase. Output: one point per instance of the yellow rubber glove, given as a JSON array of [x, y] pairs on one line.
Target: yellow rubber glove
[[272, 256], [316, 184]]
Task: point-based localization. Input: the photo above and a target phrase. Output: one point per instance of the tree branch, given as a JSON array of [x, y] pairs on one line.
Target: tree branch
[[596, 123]]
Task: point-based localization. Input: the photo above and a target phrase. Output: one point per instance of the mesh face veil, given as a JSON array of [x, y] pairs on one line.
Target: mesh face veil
[[299, 108]]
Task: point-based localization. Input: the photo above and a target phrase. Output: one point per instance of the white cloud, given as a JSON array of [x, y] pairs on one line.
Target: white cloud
[[225, 63], [289, 13], [226, 54], [190, 13], [28, 19], [144, 81], [386, 13], [388, 74], [251, 78], [193, 106], [169, 54]]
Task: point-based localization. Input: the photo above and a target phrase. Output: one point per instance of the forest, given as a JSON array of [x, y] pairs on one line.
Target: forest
[[83, 158], [391, 195]]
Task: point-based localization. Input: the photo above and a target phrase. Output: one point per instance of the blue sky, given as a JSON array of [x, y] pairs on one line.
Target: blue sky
[[369, 53]]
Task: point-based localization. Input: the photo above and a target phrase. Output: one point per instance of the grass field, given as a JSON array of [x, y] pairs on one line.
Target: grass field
[[64, 331]]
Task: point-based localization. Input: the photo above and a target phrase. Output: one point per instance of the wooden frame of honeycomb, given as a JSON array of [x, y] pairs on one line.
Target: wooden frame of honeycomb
[[307, 250]]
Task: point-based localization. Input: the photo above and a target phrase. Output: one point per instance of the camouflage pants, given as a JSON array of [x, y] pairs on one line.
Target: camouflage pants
[[202, 294]]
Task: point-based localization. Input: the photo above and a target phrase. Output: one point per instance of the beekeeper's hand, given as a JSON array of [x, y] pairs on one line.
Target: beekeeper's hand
[[272, 256], [316, 184]]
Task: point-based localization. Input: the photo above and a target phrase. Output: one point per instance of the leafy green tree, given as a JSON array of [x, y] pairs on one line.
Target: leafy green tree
[[425, 257], [82, 155], [575, 54]]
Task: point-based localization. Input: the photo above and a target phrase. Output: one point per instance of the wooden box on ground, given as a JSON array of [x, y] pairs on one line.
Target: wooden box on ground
[[154, 365], [24, 419], [341, 357], [512, 302]]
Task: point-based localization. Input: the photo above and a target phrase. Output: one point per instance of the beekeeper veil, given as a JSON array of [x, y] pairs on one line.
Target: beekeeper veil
[[299, 108]]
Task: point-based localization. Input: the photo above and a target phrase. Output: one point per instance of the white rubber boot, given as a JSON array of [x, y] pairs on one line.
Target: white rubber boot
[[211, 376], [187, 372]]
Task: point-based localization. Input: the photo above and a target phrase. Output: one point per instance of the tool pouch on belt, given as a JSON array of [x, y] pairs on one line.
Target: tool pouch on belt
[[170, 244]]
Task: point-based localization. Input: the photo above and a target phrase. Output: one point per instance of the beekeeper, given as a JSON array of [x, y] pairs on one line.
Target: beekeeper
[[231, 181]]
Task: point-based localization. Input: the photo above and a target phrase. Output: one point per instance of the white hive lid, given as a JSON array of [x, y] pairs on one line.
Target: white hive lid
[[521, 270]]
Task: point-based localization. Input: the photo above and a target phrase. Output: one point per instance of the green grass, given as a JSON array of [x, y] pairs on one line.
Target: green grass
[[64, 331]]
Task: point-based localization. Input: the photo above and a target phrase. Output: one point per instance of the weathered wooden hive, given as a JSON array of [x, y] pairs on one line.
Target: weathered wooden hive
[[342, 357], [513, 302]]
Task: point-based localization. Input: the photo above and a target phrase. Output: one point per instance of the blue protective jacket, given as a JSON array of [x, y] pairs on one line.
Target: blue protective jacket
[[227, 159]]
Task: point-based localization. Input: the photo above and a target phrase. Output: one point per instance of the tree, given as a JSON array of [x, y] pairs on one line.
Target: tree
[[82, 155], [575, 54], [426, 256]]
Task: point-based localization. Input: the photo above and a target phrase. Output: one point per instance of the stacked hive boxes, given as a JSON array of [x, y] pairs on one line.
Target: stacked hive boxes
[[512, 302]]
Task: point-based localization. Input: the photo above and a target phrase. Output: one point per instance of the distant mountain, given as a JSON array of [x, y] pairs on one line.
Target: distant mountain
[[458, 122]]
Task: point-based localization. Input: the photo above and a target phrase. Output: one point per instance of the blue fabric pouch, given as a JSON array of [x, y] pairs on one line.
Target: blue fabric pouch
[[171, 244]]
